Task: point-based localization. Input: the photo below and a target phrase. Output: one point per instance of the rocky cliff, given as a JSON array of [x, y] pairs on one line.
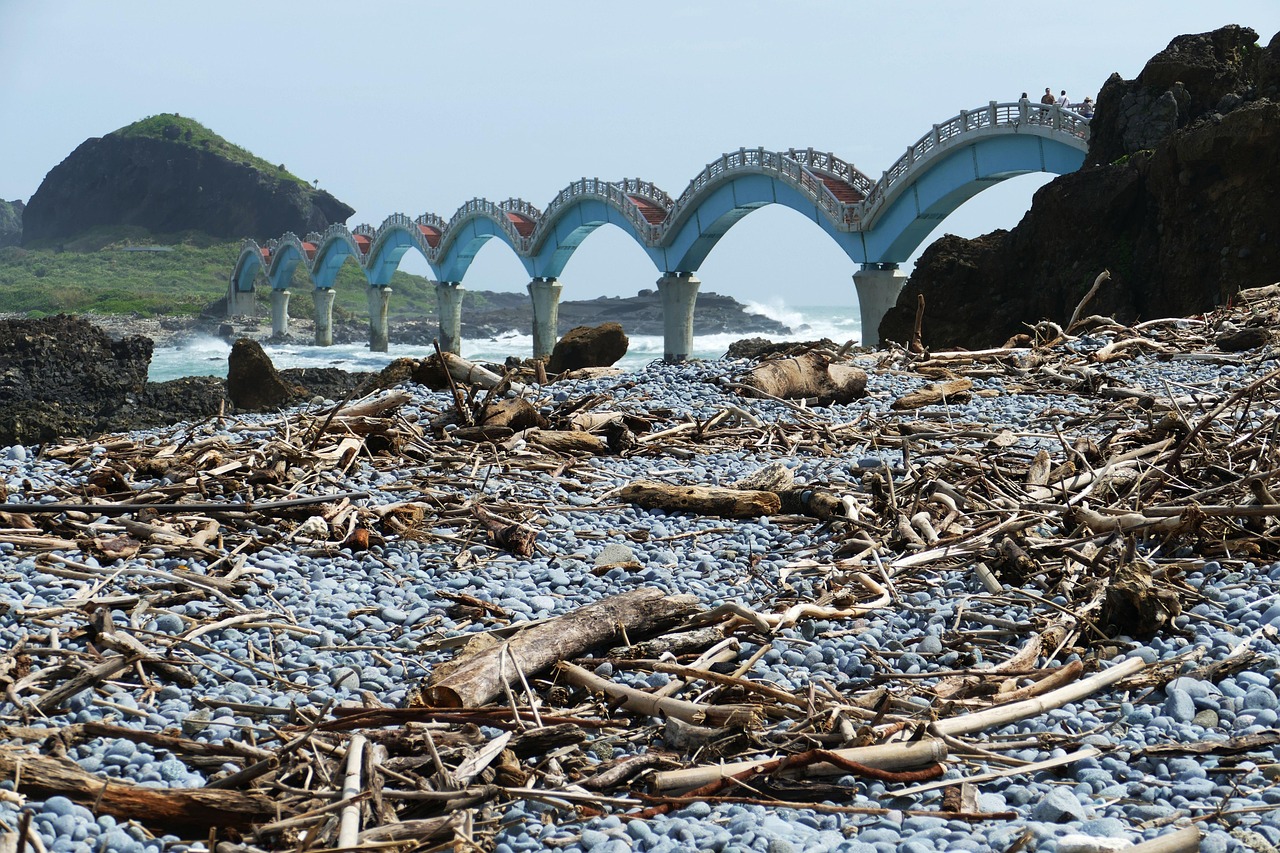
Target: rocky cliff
[[170, 174], [10, 223], [1179, 198]]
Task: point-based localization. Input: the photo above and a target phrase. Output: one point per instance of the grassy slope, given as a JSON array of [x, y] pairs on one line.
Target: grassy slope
[[96, 274], [185, 131]]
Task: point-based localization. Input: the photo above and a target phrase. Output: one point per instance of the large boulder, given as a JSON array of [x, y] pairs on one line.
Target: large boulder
[[253, 384], [588, 346], [169, 174], [1182, 222], [64, 376]]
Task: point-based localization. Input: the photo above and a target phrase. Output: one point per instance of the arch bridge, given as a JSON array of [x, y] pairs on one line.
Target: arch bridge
[[878, 223]]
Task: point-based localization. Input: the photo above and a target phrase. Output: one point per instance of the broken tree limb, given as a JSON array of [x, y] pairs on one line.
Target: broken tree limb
[[701, 500], [170, 808], [811, 374], [1102, 278], [951, 391], [886, 756], [479, 678], [740, 716]]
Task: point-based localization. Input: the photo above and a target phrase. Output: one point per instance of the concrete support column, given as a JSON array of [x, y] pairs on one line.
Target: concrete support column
[[545, 293], [449, 309], [240, 303], [378, 332], [878, 288], [679, 292], [324, 316], [279, 313]]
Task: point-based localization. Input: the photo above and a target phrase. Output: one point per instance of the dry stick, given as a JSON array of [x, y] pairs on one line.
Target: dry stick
[[1102, 278], [1182, 841], [885, 756], [1003, 714], [123, 509], [662, 706], [1034, 767], [349, 829]]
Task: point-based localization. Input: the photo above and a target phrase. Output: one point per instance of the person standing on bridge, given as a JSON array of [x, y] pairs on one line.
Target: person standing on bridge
[[1048, 99], [1063, 101], [1086, 107]]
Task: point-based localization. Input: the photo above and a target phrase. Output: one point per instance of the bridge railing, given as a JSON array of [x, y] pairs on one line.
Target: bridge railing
[[825, 161], [993, 115], [784, 165], [617, 193], [520, 207]]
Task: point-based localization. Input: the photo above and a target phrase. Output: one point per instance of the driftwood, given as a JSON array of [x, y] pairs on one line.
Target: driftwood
[[182, 809], [702, 500], [811, 375], [951, 391], [480, 678]]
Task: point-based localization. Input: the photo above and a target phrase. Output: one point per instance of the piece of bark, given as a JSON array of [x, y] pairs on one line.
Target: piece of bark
[[177, 809], [516, 538], [638, 613], [701, 500], [811, 374], [951, 391]]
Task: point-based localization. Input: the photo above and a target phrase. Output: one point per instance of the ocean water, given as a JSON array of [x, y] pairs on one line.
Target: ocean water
[[207, 356]]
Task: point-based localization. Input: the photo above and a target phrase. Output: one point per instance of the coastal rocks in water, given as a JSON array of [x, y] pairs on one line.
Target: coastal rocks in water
[[62, 375], [253, 383], [10, 223], [1182, 225], [588, 346], [170, 174], [758, 348]]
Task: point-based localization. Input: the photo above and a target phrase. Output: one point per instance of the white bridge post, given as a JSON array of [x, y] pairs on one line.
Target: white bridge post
[[449, 310], [323, 297], [240, 303], [679, 292], [878, 288], [379, 334], [545, 295], [279, 313]]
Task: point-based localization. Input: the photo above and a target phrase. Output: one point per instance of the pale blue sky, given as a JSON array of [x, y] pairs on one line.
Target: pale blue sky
[[413, 107]]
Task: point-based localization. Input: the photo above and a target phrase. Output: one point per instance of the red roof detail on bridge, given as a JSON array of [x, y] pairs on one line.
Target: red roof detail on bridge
[[524, 225], [431, 234], [266, 252], [310, 250], [362, 243], [652, 213], [845, 192]]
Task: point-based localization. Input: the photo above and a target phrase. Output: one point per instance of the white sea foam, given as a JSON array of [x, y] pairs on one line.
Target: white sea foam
[[207, 356]]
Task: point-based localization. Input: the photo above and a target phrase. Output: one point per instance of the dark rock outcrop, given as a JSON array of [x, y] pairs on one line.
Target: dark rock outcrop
[[11, 223], [1179, 199], [169, 183], [62, 375], [588, 346]]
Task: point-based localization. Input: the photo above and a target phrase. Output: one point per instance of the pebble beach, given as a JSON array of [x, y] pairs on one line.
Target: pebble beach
[[336, 625]]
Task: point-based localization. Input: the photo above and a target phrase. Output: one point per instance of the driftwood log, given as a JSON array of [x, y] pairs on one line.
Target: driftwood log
[[480, 678], [812, 374], [187, 809], [701, 500]]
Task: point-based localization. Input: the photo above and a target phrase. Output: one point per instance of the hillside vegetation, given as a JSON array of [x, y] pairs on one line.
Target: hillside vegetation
[[126, 271], [186, 131]]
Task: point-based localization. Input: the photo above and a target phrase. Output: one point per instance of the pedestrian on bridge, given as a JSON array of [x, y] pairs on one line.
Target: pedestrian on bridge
[[1047, 97], [1086, 107], [1063, 101]]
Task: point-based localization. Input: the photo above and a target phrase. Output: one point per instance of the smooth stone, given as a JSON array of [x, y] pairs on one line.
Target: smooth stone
[[1059, 806]]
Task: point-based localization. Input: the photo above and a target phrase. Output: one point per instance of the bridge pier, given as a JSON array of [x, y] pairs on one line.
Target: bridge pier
[[878, 288], [324, 316], [545, 293], [679, 292], [378, 332], [449, 310], [240, 303], [279, 313]]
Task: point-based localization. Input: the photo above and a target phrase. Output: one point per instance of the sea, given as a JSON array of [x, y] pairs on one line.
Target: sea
[[207, 356]]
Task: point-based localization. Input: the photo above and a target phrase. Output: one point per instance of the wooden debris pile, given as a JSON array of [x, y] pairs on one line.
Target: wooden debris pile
[[1084, 520]]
